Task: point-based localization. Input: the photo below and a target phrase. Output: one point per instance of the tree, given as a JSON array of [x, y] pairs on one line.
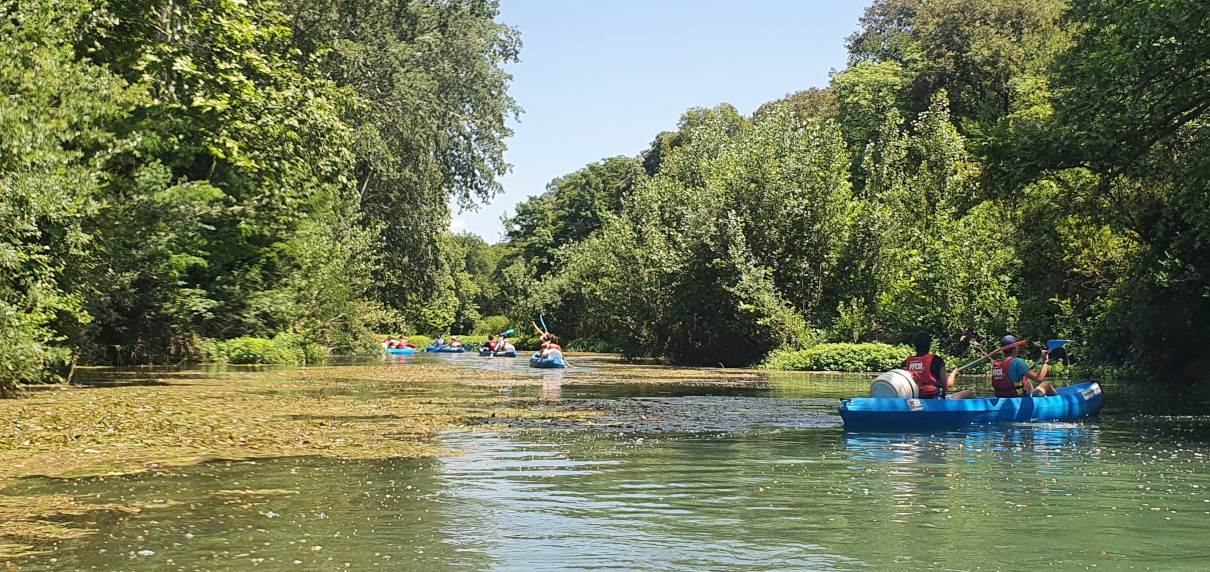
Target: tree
[[572, 208], [56, 113], [237, 184], [432, 125], [973, 49]]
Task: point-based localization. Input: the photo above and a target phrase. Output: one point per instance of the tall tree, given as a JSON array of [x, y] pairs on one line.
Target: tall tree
[[430, 75], [56, 112]]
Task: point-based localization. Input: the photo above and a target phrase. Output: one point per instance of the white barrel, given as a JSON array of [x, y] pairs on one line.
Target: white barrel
[[895, 383]]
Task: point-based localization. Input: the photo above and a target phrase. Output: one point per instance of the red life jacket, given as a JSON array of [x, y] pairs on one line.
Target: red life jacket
[[921, 368], [491, 345], [1004, 386]]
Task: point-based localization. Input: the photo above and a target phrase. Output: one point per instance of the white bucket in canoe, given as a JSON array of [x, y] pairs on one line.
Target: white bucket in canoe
[[895, 383]]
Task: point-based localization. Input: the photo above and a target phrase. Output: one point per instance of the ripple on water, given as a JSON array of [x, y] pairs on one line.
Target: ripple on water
[[741, 475]]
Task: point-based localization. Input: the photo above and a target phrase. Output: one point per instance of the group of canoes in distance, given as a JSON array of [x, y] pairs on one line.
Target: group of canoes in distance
[[921, 394], [550, 354]]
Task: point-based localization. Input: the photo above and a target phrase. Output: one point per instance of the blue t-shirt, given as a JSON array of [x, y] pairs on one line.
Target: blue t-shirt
[[1017, 369]]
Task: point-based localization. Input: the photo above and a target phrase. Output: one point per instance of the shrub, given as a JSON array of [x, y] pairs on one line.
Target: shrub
[[839, 357], [492, 325], [256, 350], [298, 346], [283, 349], [593, 345]]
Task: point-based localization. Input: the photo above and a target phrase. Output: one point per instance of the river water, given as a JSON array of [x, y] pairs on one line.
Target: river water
[[716, 472]]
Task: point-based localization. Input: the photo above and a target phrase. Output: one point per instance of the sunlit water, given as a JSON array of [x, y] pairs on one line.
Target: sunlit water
[[747, 476]]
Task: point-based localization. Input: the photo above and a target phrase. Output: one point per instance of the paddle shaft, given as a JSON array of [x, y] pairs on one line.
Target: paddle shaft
[[980, 360]]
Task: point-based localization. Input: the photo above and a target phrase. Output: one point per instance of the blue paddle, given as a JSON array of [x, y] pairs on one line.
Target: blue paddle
[[1051, 346]]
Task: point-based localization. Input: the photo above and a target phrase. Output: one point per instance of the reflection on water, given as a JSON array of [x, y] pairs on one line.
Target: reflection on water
[[551, 389], [790, 491]]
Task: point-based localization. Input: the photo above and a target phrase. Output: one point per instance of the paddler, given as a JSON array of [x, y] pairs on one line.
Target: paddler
[[1012, 377], [550, 345], [928, 369]]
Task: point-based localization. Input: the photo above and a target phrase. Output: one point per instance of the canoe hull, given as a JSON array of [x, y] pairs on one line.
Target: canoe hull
[[895, 414], [536, 360], [489, 353], [445, 350], [402, 352]]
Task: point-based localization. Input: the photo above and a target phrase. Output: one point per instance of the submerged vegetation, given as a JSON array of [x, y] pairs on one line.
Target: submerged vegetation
[[161, 421]]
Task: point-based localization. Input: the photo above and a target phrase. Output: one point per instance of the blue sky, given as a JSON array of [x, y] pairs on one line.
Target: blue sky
[[601, 78]]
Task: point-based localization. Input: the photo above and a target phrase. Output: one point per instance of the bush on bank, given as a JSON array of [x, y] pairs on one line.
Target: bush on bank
[[592, 345], [283, 349], [839, 357]]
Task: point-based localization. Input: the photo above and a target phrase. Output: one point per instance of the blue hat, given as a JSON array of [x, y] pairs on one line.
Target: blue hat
[[1008, 341]]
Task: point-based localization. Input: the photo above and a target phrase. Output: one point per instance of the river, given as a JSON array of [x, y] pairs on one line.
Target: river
[[720, 470]]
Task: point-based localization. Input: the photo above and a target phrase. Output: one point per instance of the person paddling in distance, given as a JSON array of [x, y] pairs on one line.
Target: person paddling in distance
[[491, 343], [929, 369], [550, 345], [1012, 377], [454, 343], [505, 345]]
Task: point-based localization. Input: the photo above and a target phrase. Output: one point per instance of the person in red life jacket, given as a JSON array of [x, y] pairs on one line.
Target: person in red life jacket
[[929, 369], [1012, 377], [550, 345], [491, 343]]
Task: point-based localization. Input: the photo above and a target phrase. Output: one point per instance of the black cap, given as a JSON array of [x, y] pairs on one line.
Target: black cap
[[1008, 341]]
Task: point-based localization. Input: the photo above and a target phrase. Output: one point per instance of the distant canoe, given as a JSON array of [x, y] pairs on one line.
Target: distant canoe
[[551, 362], [897, 414], [402, 351], [445, 350], [489, 353]]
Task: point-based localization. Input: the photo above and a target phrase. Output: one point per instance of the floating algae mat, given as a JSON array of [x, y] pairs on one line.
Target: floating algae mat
[[443, 464]]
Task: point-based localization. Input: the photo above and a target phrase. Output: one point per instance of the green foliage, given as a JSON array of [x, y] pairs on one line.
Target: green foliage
[[492, 325], [219, 170], [591, 345], [434, 100], [976, 50], [572, 208], [812, 103], [283, 349], [709, 258], [839, 357], [57, 115]]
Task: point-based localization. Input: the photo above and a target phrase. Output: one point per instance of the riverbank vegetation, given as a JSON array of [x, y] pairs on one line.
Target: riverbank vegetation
[[185, 178], [981, 166], [175, 172]]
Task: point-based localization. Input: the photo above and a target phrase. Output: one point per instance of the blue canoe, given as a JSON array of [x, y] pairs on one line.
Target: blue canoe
[[445, 350], [536, 360], [488, 353], [402, 351], [896, 414]]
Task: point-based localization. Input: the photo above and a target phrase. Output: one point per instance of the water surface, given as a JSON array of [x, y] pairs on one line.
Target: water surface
[[719, 471]]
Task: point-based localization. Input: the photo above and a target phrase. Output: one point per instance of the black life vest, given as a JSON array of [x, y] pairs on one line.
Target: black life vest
[[1004, 386], [921, 368]]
